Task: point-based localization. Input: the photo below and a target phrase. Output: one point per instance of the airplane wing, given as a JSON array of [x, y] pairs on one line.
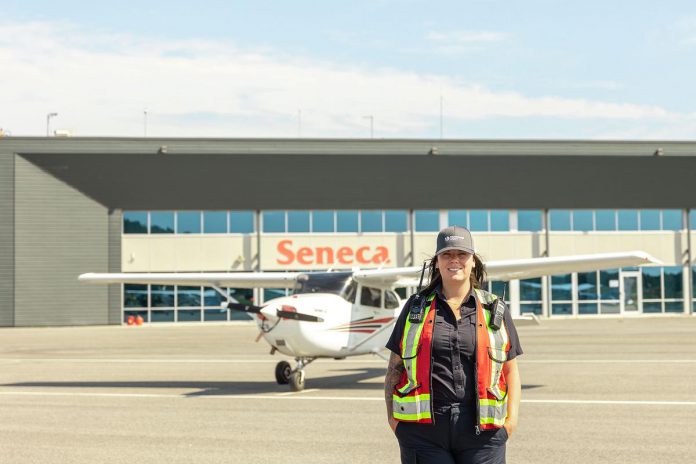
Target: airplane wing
[[515, 268], [220, 279]]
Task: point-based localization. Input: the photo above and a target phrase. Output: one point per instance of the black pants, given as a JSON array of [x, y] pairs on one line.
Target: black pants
[[451, 440]]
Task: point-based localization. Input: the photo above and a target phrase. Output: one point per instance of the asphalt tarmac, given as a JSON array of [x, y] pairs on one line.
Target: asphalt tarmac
[[600, 391]]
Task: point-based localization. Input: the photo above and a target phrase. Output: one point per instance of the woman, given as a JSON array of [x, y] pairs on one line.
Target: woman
[[452, 386]]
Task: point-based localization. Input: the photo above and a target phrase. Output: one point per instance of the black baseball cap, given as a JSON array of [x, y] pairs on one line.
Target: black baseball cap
[[455, 238]]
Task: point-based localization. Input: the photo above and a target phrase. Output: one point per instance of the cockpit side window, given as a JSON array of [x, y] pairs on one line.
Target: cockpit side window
[[391, 301], [350, 291], [371, 297]]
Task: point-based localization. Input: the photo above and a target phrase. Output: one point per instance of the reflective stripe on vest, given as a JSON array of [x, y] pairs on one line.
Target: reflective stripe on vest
[[492, 398], [411, 401], [409, 348]]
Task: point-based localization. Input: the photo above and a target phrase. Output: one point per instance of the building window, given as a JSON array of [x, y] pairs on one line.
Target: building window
[[583, 220], [530, 295], [298, 221], [135, 296], [273, 221], [188, 296], [323, 221], [371, 221], [651, 283], [672, 219], [478, 220], [663, 289], [395, 221], [215, 222], [188, 222], [673, 282], [561, 294], [347, 221], [529, 220], [559, 219], [628, 219], [427, 220], [162, 316], [458, 217], [588, 308], [169, 303], [162, 222], [211, 297], [609, 291], [500, 220], [135, 222], [162, 296], [587, 291], [692, 219], [650, 219], [605, 219], [242, 222]]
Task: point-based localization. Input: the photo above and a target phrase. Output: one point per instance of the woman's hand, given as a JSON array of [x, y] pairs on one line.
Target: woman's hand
[[393, 423], [510, 426]]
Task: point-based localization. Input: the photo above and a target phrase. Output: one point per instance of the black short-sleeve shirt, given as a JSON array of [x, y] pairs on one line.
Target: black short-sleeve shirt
[[454, 344]]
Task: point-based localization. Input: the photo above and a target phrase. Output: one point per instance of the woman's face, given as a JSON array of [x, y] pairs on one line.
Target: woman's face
[[455, 265]]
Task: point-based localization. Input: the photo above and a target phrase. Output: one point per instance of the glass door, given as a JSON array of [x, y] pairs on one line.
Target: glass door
[[630, 293]]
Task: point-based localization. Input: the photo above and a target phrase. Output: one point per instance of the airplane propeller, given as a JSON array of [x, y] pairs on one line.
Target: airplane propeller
[[250, 309], [287, 312]]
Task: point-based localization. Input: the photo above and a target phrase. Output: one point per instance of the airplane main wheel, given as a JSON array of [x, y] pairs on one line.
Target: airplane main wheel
[[283, 372], [297, 380]]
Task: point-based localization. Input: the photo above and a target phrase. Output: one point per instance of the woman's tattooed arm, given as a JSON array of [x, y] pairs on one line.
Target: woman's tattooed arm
[[394, 370]]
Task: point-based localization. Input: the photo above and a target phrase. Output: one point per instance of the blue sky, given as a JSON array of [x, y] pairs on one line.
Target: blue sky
[[502, 69]]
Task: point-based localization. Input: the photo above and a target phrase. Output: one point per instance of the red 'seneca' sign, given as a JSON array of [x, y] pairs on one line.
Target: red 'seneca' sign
[[330, 255]]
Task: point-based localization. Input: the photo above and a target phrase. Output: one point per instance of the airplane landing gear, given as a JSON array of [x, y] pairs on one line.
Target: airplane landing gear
[[295, 377], [297, 381], [283, 371]]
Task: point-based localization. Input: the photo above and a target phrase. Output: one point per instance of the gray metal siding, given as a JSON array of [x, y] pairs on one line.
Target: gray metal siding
[[6, 239], [59, 233], [115, 295]]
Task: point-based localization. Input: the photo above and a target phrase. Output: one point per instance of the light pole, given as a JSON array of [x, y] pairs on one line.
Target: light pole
[[299, 123], [48, 122], [372, 125], [145, 123]]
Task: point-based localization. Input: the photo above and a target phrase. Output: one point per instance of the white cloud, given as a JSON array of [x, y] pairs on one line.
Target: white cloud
[[100, 85], [460, 37]]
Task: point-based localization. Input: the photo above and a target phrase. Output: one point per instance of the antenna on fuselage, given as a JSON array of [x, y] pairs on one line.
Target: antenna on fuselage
[[420, 282]]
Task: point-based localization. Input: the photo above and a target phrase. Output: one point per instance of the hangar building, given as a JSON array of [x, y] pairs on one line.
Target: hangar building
[[75, 205]]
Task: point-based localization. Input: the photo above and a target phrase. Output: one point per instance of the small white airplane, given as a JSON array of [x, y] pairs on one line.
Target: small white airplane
[[341, 314]]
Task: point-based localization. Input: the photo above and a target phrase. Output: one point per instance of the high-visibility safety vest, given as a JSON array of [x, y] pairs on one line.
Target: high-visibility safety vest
[[411, 399]]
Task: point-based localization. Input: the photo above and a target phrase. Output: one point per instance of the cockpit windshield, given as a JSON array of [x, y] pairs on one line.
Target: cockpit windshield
[[337, 283]]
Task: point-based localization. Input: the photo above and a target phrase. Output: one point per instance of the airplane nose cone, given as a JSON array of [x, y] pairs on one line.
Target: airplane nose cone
[[270, 311]]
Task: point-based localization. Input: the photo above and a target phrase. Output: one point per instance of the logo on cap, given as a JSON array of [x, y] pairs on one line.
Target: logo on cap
[[453, 237]]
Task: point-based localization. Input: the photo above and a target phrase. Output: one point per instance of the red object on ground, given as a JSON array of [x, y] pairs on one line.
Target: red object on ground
[[139, 320], [130, 320]]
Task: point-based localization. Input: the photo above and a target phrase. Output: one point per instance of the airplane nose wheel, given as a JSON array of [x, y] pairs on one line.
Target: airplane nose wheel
[[283, 371], [297, 381], [295, 377]]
